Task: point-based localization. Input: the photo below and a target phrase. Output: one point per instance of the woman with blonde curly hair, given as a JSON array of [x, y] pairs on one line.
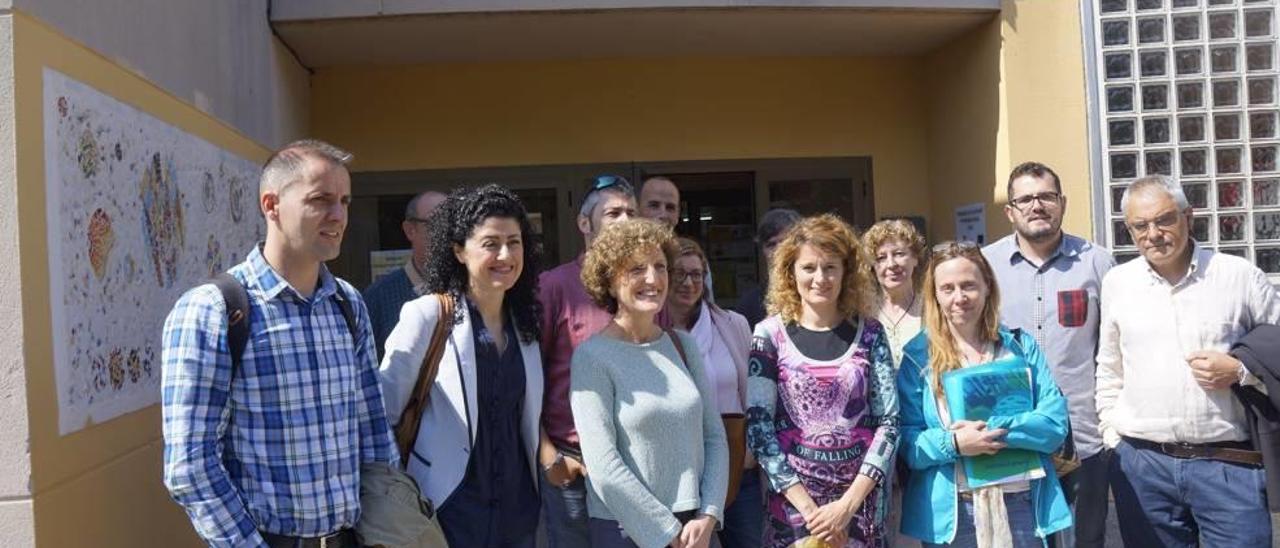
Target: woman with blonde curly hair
[[645, 412], [896, 249], [822, 414]]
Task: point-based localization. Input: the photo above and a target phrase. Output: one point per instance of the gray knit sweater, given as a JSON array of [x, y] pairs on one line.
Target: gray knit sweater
[[652, 444]]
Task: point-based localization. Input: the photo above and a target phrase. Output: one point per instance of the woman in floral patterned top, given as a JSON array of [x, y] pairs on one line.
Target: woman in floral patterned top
[[822, 414]]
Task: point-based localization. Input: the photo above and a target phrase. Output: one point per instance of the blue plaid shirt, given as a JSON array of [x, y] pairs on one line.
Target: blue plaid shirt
[[279, 448]]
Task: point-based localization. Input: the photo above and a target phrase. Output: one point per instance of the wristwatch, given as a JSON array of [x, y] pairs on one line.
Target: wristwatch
[[558, 461]]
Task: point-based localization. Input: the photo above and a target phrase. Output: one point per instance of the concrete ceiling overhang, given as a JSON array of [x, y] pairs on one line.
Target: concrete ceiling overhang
[[367, 33]]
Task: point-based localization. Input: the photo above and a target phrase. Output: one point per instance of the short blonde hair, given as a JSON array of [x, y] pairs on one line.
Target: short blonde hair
[[835, 237], [613, 251], [897, 230]]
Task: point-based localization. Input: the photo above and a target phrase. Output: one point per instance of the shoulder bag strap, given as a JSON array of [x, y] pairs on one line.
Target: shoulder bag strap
[[411, 418], [675, 340]]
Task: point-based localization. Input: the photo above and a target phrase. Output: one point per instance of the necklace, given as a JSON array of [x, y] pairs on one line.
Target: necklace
[[985, 354], [893, 324]]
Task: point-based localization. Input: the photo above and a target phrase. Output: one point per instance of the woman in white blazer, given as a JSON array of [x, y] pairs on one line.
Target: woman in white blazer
[[475, 455]]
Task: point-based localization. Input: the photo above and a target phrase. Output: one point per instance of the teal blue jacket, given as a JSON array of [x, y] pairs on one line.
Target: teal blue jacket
[[929, 504]]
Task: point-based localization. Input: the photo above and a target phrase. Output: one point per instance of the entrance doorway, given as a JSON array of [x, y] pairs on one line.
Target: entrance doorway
[[721, 203]]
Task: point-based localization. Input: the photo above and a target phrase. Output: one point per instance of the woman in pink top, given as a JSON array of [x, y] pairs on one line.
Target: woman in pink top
[[724, 339]]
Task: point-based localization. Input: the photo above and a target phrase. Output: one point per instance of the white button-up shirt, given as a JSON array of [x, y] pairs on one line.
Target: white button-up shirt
[[1149, 326]]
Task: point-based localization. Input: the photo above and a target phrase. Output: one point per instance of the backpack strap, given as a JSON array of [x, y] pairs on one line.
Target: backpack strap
[[406, 431], [237, 303], [348, 312], [236, 298]]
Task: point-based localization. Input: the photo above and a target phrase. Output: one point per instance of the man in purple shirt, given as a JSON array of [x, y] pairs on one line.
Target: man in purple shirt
[[569, 317]]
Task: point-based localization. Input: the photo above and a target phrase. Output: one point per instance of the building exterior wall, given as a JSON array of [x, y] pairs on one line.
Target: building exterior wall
[[538, 113], [99, 486], [964, 128], [17, 526], [942, 130], [286, 10], [1045, 97], [220, 57], [1008, 92]]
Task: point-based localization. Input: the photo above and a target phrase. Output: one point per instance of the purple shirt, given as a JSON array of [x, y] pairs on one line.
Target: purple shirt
[[569, 318]]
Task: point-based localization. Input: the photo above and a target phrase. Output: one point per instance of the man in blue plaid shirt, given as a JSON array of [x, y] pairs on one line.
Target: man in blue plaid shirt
[[269, 453]]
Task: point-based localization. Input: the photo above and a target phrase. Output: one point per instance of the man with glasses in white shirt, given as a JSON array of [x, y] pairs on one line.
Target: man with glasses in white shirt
[[1184, 472], [1050, 283]]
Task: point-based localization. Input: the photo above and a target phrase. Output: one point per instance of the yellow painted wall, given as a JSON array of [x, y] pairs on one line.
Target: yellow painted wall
[[497, 114], [1046, 99], [964, 128], [100, 486], [1010, 91]]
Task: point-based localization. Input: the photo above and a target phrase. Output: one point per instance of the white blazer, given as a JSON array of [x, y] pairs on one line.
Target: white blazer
[[440, 455]]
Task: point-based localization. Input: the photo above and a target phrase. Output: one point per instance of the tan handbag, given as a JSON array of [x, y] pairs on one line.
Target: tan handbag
[[393, 513], [411, 418], [735, 432]]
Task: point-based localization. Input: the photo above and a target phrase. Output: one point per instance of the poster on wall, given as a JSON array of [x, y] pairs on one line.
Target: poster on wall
[[384, 261], [971, 223], [138, 212]]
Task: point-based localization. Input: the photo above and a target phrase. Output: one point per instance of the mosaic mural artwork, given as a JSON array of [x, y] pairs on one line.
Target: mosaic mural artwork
[[138, 212]]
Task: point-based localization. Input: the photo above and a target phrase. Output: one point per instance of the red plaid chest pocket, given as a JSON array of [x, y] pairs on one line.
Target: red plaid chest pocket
[[1073, 307]]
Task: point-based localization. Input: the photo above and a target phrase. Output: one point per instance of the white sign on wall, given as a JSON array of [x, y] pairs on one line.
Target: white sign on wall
[[971, 223], [385, 261], [138, 212]]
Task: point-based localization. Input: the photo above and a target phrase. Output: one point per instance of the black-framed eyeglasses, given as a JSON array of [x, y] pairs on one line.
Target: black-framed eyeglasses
[[1044, 198], [416, 220], [680, 276]]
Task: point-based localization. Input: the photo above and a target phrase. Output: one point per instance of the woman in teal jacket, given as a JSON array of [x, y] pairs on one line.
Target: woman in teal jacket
[[962, 329]]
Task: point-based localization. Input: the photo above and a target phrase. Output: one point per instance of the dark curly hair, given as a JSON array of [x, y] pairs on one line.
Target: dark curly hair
[[454, 221]]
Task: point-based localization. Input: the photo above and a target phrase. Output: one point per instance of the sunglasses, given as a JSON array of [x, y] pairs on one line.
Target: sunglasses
[[605, 181]]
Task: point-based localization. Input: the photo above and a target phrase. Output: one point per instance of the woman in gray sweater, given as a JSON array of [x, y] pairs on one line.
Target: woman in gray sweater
[[651, 434]]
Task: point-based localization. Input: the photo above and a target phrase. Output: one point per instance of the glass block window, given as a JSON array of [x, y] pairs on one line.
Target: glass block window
[[1188, 88]]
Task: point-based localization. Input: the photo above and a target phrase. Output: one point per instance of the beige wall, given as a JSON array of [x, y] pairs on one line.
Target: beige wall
[[964, 127], [220, 57], [466, 115], [100, 486], [1045, 99], [17, 508], [1011, 91]]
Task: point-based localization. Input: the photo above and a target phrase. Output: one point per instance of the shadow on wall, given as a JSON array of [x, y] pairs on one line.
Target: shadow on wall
[[963, 81]]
